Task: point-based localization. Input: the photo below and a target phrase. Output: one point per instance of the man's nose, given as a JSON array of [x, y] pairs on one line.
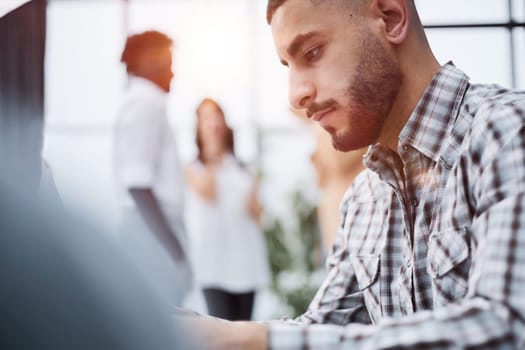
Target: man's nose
[[301, 92]]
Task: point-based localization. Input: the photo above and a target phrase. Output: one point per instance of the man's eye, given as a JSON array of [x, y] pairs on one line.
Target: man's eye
[[312, 54]]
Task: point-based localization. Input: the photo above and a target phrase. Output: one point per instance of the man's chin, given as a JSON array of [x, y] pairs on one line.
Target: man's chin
[[347, 143], [343, 147]]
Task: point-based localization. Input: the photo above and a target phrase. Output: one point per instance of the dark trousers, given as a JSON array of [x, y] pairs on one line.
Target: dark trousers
[[229, 306]]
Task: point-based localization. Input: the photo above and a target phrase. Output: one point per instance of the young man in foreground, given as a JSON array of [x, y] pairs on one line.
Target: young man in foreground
[[430, 252]]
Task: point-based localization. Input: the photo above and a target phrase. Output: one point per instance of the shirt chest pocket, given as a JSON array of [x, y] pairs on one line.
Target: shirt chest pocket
[[448, 262], [366, 269]]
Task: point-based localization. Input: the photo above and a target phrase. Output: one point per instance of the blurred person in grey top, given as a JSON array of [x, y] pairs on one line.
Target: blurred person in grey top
[[430, 250], [147, 169], [65, 285]]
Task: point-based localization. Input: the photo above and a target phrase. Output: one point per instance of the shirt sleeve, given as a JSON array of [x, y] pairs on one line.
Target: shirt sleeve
[[492, 315], [339, 300], [138, 144]]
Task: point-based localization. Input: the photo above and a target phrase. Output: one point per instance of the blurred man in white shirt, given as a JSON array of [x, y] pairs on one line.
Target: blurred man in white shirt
[[148, 169]]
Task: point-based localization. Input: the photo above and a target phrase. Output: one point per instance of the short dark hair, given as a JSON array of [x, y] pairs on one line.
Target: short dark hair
[[139, 44], [272, 6]]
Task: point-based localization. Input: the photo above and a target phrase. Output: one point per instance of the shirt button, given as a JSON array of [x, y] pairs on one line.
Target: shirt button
[[415, 202], [406, 148]]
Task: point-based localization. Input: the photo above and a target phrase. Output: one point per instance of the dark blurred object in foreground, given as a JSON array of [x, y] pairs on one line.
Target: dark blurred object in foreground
[[22, 49], [64, 286]]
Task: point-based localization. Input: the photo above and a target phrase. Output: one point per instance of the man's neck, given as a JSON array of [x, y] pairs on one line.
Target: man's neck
[[417, 75], [150, 81]]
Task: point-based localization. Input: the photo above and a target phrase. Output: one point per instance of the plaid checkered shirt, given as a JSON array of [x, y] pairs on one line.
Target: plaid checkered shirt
[[431, 250]]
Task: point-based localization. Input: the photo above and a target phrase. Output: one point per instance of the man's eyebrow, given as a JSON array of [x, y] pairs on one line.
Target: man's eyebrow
[[298, 41]]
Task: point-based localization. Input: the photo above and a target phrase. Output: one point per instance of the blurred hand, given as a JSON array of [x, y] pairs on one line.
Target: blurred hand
[[216, 334], [202, 182], [254, 206]]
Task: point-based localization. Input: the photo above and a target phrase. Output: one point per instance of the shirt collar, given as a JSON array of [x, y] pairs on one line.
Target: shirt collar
[[142, 85], [435, 114]]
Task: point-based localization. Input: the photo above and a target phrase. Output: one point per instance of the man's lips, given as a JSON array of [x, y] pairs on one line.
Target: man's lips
[[317, 116]]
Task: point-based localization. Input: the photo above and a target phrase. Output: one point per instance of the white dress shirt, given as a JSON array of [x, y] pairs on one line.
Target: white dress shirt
[[145, 156]]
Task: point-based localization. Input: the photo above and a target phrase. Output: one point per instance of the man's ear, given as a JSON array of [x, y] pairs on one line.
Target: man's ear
[[395, 15]]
